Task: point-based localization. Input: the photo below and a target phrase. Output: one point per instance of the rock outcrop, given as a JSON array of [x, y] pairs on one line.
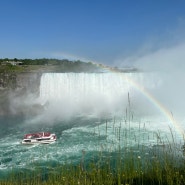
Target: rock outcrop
[[16, 81], [16, 90]]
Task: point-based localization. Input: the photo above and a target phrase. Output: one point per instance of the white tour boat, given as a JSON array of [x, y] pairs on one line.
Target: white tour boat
[[40, 137]]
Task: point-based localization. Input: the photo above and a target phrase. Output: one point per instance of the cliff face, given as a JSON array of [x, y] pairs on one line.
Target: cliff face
[[7, 81], [28, 81], [20, 81], [17, 92]]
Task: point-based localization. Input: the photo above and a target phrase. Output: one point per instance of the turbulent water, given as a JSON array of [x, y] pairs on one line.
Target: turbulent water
[[89, 112]]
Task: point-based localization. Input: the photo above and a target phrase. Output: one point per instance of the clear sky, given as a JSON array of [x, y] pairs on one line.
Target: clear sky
[[103, 31]]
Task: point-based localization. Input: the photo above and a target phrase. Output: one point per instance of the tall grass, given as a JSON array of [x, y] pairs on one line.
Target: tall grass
[[115, 162]]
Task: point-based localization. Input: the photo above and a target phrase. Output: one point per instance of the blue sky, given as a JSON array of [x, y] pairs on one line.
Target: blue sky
[[103, 31]]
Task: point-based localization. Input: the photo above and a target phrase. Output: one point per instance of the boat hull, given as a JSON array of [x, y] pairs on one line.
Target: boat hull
[[32, 142]]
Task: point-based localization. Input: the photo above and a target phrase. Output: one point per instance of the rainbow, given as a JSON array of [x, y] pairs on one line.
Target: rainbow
[[159, 106]]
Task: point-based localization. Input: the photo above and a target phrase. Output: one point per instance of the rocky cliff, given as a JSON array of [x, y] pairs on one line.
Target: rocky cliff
[[20, 81], [18, 91]]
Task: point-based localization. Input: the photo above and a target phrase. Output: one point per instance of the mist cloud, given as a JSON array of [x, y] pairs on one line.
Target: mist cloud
[[165, 60], [168, 62]]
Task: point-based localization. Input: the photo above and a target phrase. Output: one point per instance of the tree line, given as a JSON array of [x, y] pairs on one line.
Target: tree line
[[42, 61], [61, 64]]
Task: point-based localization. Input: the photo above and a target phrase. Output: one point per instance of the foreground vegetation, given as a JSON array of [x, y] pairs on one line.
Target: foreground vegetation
[[104, 175]]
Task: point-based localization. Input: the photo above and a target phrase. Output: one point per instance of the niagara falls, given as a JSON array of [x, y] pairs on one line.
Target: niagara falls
[[92, 92]]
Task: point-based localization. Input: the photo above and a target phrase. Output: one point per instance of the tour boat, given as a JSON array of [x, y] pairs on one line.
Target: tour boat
[[40, 137]]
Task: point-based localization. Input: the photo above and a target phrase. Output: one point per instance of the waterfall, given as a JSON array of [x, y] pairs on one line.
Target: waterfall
[[88, 92], [81, 85]]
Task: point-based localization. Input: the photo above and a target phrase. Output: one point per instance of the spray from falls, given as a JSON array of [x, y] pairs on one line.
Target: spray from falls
[[102, 94]]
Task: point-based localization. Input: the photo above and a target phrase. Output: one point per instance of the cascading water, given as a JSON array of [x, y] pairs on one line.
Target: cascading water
[[90, 93], [82, 85], [84, 93]]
